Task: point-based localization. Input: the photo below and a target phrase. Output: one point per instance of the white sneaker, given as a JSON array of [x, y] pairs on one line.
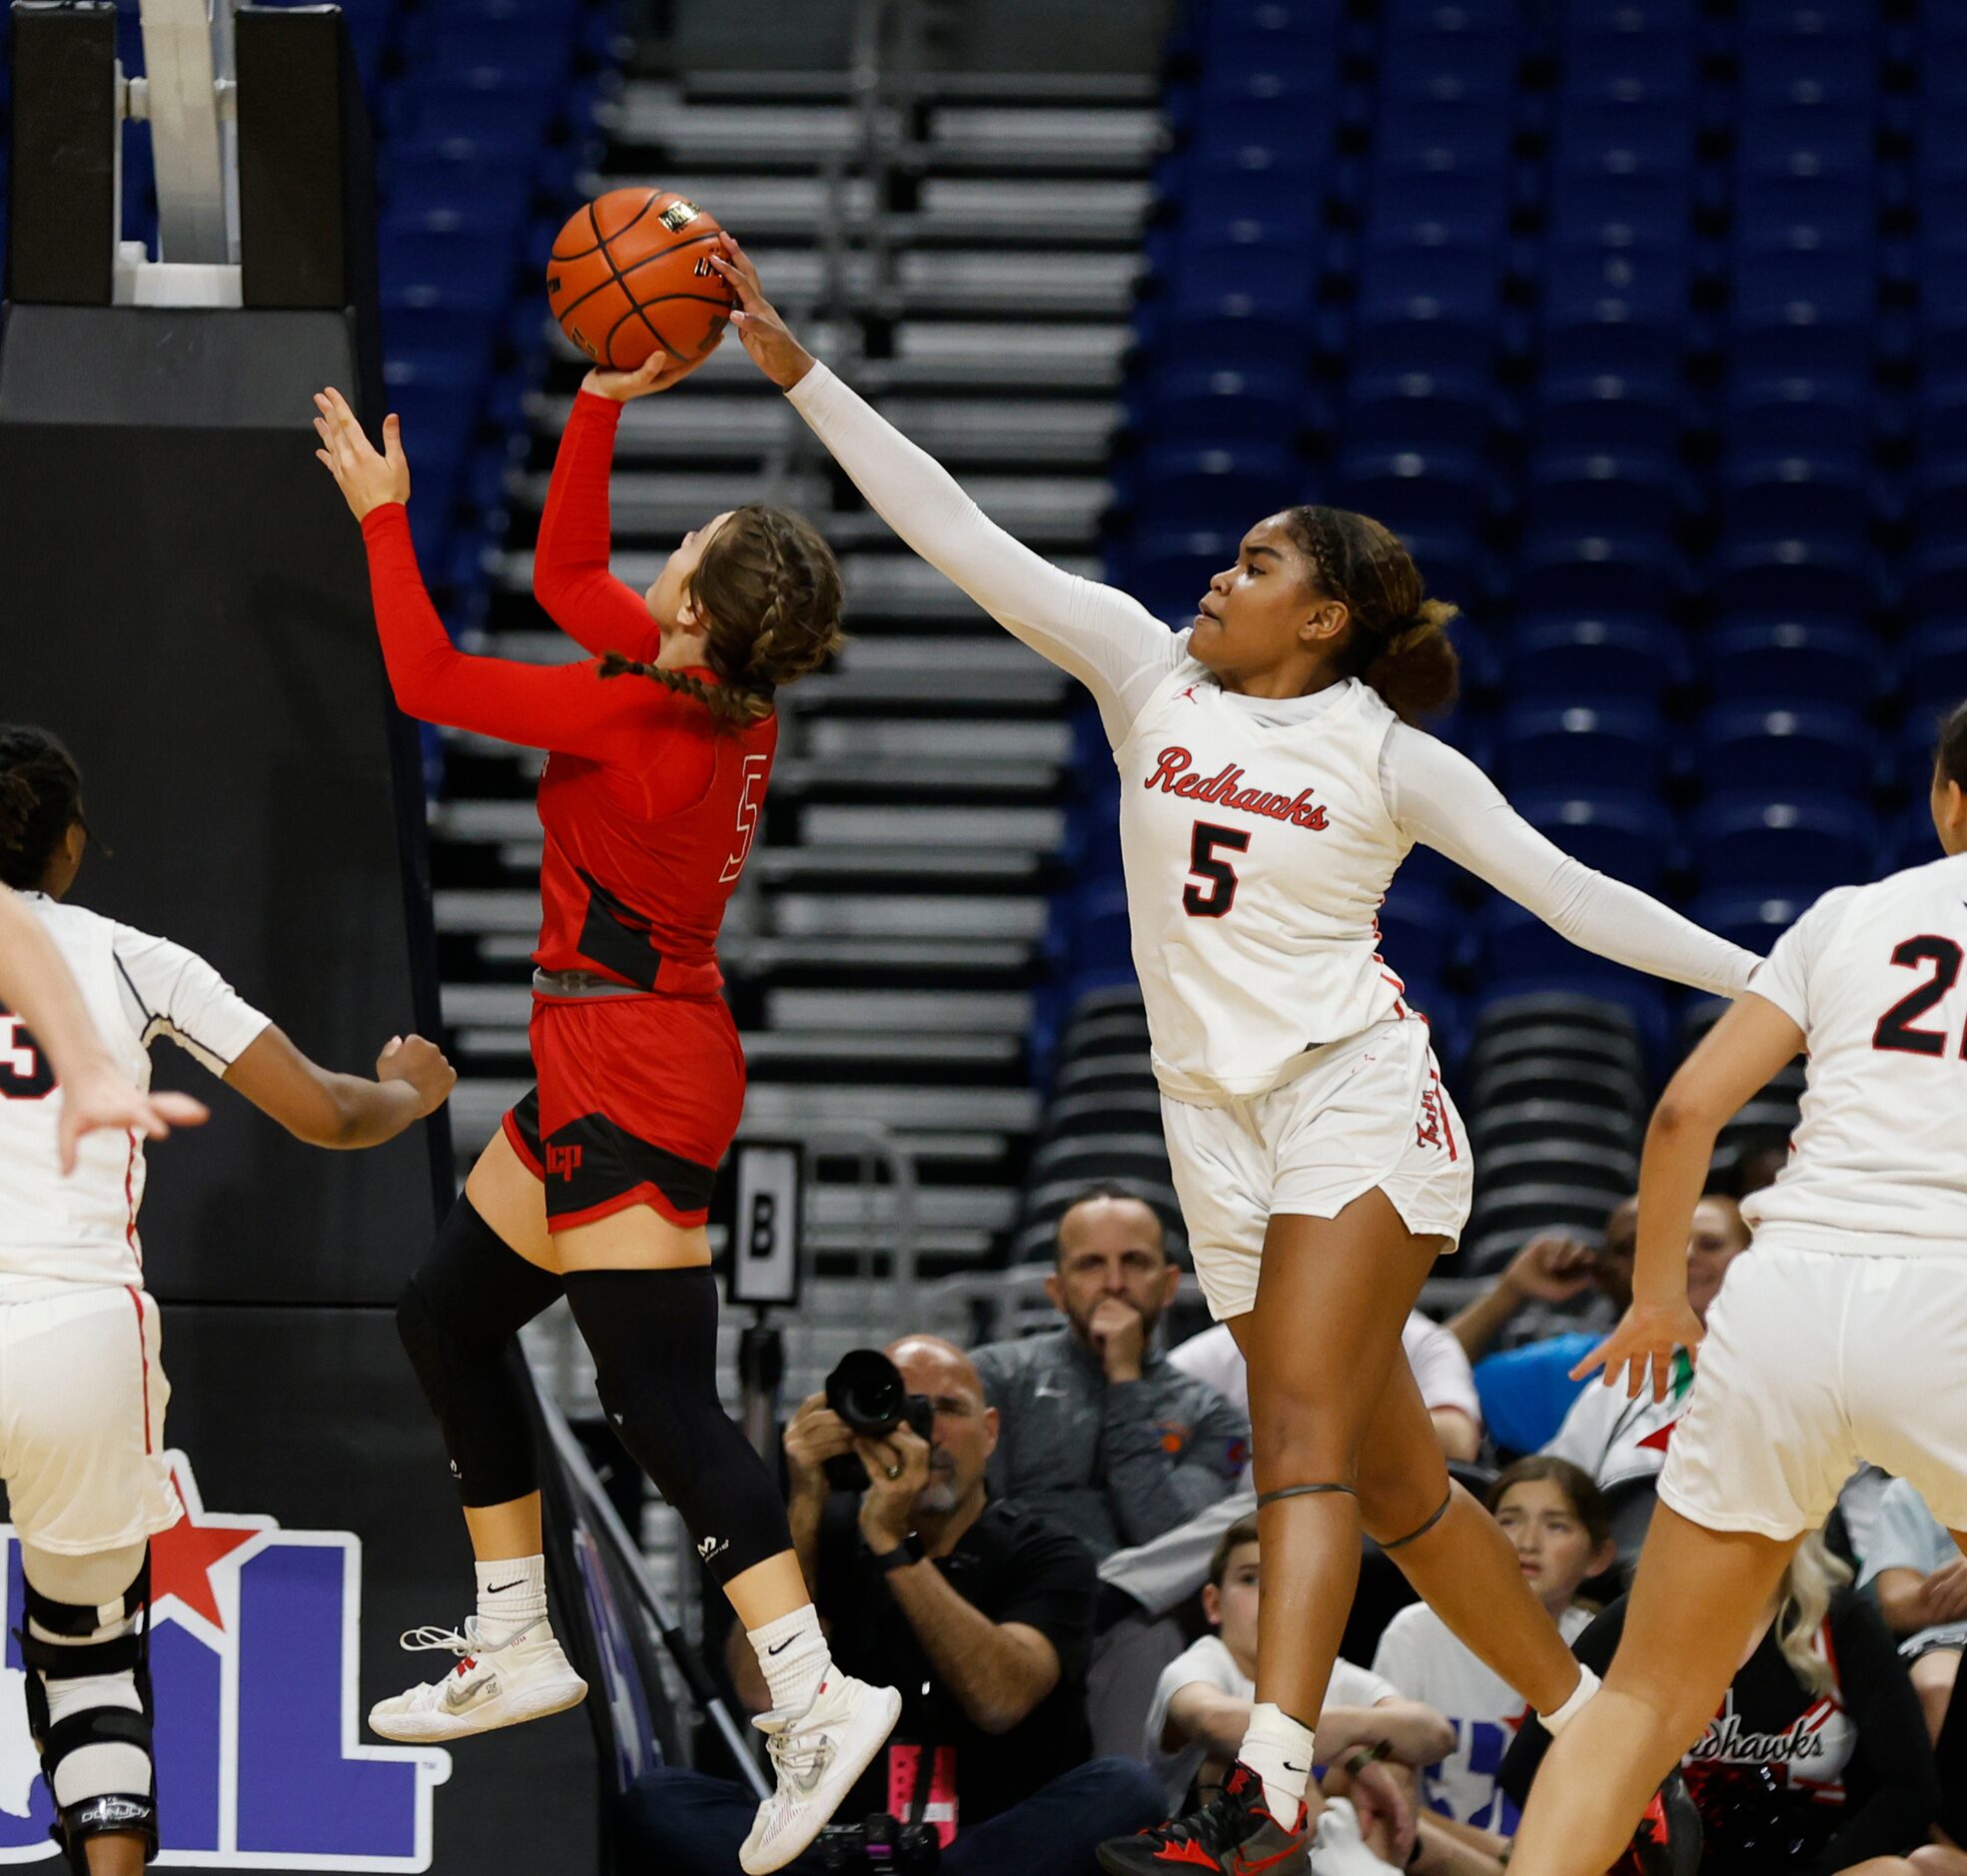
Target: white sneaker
[[1338, 1849], [493, 1684], [819, 1755]]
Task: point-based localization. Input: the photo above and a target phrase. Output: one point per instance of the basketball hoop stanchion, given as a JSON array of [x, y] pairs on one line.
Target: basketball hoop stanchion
[[762, 1271]]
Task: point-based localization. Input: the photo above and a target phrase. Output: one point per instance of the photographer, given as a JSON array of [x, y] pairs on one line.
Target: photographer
[[979, 1612]]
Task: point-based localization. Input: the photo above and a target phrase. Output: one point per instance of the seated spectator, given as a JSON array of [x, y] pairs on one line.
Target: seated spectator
[[1554, 1516], [1203, 1702], [1102, 1435], [1447, 1382], [977, 1609], [1920, 1580], [1818, 1762], [1526, 1391], [1622, 1443]]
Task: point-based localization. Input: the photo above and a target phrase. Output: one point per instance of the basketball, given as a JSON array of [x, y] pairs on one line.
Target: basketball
[[630, 273]]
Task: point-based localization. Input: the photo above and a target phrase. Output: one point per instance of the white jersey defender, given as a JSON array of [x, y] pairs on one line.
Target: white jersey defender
[[82, 1387], [1842, 1335]]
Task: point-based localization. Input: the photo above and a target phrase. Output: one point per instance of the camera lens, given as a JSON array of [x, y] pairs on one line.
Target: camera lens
[[868, 1392]]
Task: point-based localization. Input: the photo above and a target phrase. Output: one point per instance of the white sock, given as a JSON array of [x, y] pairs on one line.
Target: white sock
[[1556, 1722], [512, 1596], [1279, 1750], [793, 1658]]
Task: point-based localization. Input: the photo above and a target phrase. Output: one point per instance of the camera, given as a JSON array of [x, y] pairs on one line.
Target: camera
[[868, 1392], [882, 1846]]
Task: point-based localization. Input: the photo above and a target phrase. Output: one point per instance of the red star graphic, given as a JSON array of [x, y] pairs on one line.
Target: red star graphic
[[1656, 1442], [182, 1557]]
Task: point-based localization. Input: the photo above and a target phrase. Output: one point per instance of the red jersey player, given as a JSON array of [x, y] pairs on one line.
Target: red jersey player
[[597, 1185]]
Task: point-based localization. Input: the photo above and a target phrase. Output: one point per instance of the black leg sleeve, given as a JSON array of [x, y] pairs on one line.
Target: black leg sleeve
[[459, 1318], [654, 1337]]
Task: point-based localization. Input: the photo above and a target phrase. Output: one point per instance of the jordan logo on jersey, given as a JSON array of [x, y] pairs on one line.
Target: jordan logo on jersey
[[563, 1162], [254, 1651], [1174, 775]]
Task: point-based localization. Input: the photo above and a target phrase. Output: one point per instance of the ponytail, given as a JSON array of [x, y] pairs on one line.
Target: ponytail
[[1417, 668], [735, 705]]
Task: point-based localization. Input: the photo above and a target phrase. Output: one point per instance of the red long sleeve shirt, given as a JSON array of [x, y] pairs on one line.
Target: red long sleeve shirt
[[648, 805]]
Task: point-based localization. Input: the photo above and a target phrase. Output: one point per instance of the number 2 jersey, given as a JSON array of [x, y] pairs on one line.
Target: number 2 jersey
[[83, 1227], [1872, 975], [1259, 835], [649, 803]]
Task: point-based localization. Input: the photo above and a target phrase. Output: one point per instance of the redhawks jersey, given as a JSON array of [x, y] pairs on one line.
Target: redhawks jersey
[[1257, 855], [639, 898], [1876, 978], [83, 1229]]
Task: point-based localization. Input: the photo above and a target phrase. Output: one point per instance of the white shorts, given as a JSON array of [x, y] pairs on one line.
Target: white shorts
[[82, 1398], [1366, 1111], [1813, 1362]]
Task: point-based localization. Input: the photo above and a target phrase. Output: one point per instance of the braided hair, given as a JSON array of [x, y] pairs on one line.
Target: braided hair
[[40, 800], [768, 591], [1398, 644]]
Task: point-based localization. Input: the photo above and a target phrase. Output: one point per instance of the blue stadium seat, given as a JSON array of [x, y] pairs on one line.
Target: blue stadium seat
[[427, 267], [1421, 411], [1606, 306], [1600, 62], [1833, 69], [1520, 952], [1610, 205], [1586, 660], [1909, 842], [1582, 747], [1168, 572], [450, 49], [1437, 67], [1798, 416], [1796, 660], [1603, 411], [1443, 134], [1596, 575], [1798, 840], [1427, 305], [1198, 406], [1254, 280], [1625, 833], [1423, 495], [1215, 489], [1781, 137], [505, 112], [1434, 189], [1600, 132], [1753, 920], [1824, 500], [1764, 749], [1933, 664], [1835, 208], [1599, 491], [1792, 576], [1918, 743], [1417, 928]]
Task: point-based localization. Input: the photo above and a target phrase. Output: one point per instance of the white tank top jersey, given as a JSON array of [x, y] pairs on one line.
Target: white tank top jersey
[[83, 1229], [1872, 976], [1258, 834]]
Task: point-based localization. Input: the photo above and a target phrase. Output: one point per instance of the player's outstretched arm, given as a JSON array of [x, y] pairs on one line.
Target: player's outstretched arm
[[36, 985], [327, 1109], [1102, 636], [570, 577]]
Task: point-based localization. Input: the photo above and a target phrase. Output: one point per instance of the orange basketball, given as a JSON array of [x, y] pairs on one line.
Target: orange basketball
[[631, 271]]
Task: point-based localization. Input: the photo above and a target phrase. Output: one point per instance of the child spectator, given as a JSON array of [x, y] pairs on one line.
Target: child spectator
[[1556, 1519], [1920, 1578], [1203, 1701]]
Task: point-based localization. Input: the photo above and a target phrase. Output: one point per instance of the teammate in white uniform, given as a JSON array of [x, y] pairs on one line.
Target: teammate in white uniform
[[37, 985], [1270, 784], [1841, 1336], [82, 1393]]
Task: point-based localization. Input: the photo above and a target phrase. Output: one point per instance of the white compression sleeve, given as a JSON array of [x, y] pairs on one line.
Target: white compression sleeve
[[1440, 799], [1108, 640]]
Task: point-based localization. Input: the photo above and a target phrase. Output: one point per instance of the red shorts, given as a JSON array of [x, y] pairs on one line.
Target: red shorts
[[636, 1102]]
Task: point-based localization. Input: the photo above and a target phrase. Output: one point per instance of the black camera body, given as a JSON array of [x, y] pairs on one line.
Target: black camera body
[[868, 1392], [882, 1846]]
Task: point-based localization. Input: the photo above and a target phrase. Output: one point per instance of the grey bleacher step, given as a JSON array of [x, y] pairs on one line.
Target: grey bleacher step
[[911, 774], [644, 501], [905, 824], [752, 954], [1075, 88], [915, 915], [766, 1049], [778, 207], [959, 430], [963, 672], [709, 135], [1083, 209], [989, 354], [800, 866], [903, 1011], [1044, 136], [1008, 742]]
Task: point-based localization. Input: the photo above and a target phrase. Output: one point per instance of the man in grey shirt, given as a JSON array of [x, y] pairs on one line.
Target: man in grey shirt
[[1099, 1434]]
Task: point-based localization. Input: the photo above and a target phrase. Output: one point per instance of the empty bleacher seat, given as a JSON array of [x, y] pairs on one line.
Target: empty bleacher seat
[[1816, 748], [1801, 841], [1567, 660], [1794, 660], [1610, 746], [1621, 832]]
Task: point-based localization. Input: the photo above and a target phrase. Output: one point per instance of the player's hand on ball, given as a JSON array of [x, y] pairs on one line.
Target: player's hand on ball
[[422, 1064], [773, 350], [660, 372], [1642, 1346], [366, 479]]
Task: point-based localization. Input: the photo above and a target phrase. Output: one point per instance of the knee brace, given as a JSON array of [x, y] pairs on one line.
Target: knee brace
[[654, 1337], [90, 1712], [458, 1318]]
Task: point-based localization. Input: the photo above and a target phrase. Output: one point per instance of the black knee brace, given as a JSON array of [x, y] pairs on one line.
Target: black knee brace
[[654, 1337], [109, 1642], [459, 1318]]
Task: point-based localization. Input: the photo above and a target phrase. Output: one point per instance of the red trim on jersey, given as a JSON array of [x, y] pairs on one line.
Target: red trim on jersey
[[143, 1355], [1433, 1075], [519, 1147], [644, 1194], [130, 1200]]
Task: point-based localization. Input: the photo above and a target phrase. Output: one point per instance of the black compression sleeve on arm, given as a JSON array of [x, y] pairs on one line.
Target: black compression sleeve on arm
[[1894, 1783], [654, 1337], [459, 1317]]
